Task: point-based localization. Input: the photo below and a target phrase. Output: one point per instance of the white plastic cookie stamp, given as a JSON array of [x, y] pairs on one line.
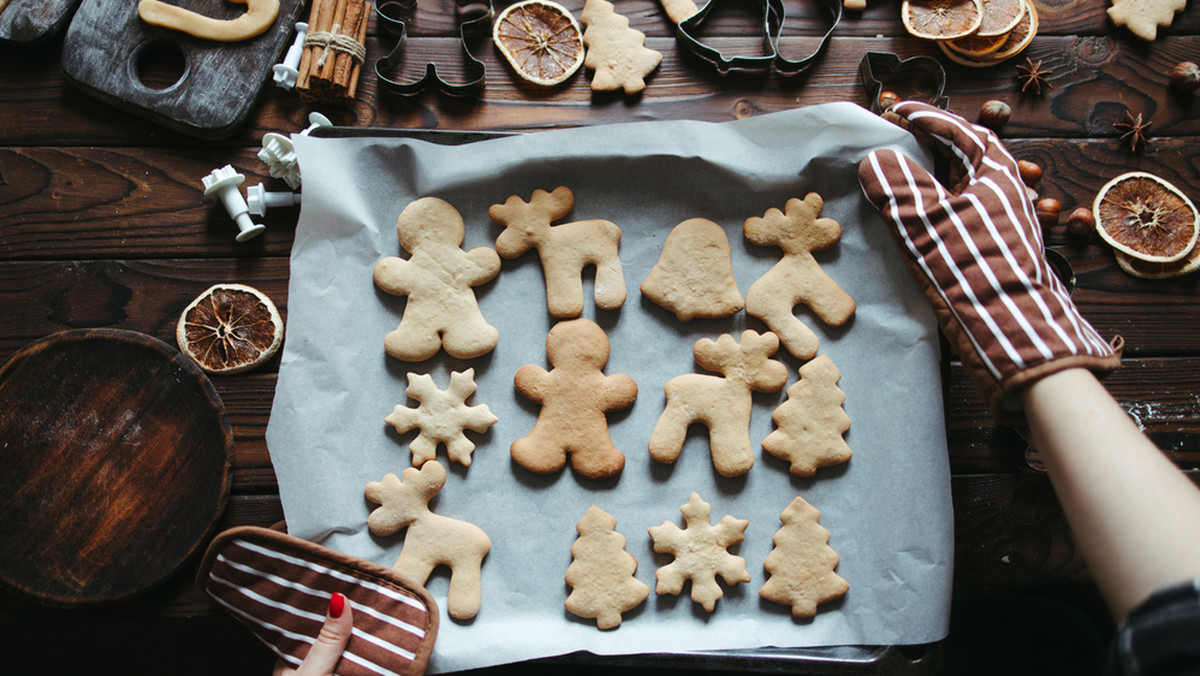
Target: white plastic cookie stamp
[[286, 71], [260, 199], [223, 184], [279, 153]]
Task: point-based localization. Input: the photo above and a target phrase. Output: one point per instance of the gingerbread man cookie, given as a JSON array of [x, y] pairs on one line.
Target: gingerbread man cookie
[[437, 278], [575, 397]]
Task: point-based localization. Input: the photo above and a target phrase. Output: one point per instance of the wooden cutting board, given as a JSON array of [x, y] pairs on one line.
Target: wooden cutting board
[[31, 21], [108, 51], [115, 456]]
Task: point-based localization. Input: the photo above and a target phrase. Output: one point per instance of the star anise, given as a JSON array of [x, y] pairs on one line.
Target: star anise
[[1136, 130], [1033, 76]]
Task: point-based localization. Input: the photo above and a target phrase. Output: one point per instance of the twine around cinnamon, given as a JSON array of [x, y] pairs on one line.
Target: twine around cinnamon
[[334, 50]]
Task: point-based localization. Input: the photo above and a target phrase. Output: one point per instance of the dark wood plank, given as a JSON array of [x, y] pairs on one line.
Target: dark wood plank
[[1096, 80]]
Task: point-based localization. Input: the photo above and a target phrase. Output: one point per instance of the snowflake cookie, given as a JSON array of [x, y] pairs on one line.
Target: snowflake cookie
[[442, 417]]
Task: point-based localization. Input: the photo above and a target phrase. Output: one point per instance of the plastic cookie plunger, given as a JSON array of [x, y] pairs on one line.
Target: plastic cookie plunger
[[259, 199], [279, 154], [288, 70], [224, 184]]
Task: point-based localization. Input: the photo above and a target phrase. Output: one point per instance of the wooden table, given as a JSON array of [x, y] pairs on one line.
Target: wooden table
[[103, 223]]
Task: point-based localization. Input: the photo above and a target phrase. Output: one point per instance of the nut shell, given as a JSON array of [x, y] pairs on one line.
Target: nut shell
[[1186, 77], [1081, 221], [994, 114], [1030, 173], [1047, 211]]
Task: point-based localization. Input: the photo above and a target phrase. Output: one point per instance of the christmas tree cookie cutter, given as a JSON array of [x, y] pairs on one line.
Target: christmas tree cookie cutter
[[687, 33], [474, 20]]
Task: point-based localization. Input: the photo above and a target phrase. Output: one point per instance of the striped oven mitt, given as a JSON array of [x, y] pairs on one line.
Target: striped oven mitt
[[279, 587], [976, 251]]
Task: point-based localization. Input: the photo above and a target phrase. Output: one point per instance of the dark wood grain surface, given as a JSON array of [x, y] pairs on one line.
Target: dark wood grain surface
[[103, 224]]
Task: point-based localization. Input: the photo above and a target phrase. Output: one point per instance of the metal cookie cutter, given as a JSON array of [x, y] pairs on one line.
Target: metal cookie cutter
[[773, 15], [918, 77], [474, 19]]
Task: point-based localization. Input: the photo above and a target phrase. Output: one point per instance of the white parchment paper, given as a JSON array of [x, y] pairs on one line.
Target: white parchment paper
[[888, 510]]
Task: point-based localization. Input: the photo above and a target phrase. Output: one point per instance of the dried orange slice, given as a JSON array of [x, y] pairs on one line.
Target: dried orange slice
[[941, 19], [1000, 17], [541, 40], [1144, 216], [1144, 270], [229, 329], [975, 46], [1014, 43]]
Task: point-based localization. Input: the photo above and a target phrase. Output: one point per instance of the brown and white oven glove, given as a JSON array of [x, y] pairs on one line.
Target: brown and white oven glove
[[976, 250], [279, 587]]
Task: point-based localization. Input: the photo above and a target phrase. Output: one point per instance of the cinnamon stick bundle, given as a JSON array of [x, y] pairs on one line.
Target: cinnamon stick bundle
[[334, 50]]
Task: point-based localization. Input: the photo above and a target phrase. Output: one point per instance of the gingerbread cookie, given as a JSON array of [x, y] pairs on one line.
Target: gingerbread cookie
[[694, 273], [442, 417], [1143, 17], [601, 573], [616, 52], [723, 403], [700, 553], [437, 279], [800, 567], [575, 397], [797, 277], [810, 424], [431, 540], [564, 249]]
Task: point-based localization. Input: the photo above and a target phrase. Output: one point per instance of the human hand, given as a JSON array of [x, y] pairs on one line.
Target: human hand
[[976, 250], [325, 652]]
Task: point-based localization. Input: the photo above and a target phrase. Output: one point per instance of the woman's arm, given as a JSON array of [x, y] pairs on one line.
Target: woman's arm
[[1134, 515]]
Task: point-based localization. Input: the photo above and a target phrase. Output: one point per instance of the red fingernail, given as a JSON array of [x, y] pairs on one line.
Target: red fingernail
[[337, 604]]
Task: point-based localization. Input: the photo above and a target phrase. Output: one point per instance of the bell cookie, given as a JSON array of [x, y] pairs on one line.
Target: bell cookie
[[615, 52], [601, 572], [437, 278], [797, 277], [811, 422], [575, 397], [442, 417], [723, 403], [430, 539], [700, 553], [694, 273], [564, 249], [800, 566]]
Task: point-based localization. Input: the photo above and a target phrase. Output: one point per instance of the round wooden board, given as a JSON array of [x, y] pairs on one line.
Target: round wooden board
[[115, 456]]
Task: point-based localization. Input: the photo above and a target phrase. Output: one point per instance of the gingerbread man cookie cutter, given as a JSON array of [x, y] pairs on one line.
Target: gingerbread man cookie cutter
[[474, 20], [773, 13]]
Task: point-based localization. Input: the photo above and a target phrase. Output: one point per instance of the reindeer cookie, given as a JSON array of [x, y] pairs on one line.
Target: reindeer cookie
[[797, 277], [431, 540], [438, 280], [565, 249], [574, 395], [723, 403]]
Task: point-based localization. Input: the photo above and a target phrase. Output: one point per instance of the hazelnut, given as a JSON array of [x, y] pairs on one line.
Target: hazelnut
[[994, 114], [1047, 212], [1186, 77], [1081, 221], [1031, 173], [887, 99]]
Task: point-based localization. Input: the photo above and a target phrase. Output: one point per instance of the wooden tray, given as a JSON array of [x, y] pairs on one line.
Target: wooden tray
[[218, 83], [31, 21], [115, 456]]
